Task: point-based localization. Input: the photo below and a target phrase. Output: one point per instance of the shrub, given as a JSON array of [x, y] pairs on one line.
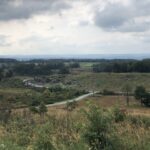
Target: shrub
[[119, 115], [142, 95], [108, 92], [98, 128], [42, 108]]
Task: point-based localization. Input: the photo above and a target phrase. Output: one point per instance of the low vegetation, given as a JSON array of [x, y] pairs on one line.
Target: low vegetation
[[93, 128], [116, 117]]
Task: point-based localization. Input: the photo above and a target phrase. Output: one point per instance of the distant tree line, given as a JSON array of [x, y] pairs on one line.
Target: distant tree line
[[62, 66], [33, 69], [7, 60], [123, 66]]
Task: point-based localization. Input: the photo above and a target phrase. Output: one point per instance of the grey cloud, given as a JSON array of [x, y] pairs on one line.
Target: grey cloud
[[135, 27], [22, 9], [142, 7], [117, 17], [114, 15]]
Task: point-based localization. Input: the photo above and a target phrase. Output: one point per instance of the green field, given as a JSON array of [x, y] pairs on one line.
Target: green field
[[84, 80], [111, 81], [86, 64]]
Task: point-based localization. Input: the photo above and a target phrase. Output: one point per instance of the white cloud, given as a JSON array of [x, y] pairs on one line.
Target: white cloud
[[74, 26]]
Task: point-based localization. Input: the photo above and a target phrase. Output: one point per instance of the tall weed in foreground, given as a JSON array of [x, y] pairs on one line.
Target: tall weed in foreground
[[114, 130], [133, 137], [43, 138], [98, 128], [95, 129], [7, 145]]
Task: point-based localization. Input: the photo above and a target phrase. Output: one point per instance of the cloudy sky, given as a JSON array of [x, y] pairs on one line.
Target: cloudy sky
[[74, 27]]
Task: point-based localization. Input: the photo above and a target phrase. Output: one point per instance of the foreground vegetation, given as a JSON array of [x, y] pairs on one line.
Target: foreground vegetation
[[94, 127]]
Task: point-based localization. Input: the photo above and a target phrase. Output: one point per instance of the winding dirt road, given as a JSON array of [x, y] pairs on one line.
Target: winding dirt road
[[82, 97]]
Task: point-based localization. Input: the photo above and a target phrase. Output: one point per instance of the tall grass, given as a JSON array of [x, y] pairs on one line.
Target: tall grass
[[94, 128]]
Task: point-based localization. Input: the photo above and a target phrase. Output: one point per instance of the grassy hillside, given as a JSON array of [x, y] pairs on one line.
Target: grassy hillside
[[111, 81], [78, 81]]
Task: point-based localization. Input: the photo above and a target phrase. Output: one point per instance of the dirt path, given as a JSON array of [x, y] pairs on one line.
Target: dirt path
[[82, 97]]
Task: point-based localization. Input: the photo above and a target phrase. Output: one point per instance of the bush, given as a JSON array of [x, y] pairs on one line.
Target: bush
[[98, 128], [119, 115], [142, 95], [108, 92]]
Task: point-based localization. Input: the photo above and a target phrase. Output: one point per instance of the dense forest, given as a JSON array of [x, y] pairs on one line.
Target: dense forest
[[119, 66], [10, 67], [32, 69]]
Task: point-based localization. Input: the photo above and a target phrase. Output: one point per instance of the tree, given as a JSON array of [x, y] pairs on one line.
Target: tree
[[1, 74], [146, 99], [140, 93], [127, 90], [42, 108], [64, 70], [46, 93], [9, 74]]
